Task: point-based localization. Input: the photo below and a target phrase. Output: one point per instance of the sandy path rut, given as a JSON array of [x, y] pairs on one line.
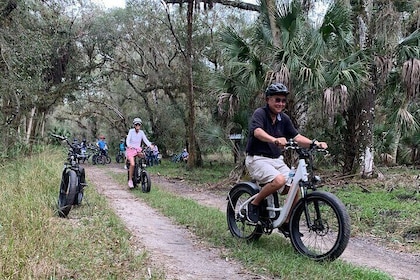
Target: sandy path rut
[[182, 255]]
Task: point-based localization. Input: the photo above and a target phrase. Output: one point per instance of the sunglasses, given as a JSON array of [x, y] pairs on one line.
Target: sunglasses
[[280, 100], [137, 124]]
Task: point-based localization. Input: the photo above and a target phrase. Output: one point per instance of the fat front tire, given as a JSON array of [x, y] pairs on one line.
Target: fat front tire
[[146, 183], [79, 198], [118, 158], [67, 194], [238, 224], [320, 227]]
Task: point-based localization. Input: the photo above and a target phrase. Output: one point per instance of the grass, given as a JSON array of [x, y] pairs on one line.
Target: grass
[[387, 209], [212, 171], [36, 244], [393, 216]]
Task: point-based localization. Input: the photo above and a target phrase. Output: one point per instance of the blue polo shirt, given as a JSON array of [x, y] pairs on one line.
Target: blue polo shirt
[[282, 127], [101, 144]]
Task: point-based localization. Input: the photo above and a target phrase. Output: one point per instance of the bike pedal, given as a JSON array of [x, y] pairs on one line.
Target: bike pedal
[[285, 233]]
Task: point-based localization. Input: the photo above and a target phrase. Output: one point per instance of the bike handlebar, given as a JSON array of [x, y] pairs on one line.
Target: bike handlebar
[[293, 145], [59, 136], [63, 138]]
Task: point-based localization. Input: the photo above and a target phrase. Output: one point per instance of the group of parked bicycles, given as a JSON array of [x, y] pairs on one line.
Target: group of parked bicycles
[[90, 152]]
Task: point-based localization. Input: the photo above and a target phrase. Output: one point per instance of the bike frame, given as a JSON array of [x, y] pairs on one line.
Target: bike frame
[[140, 160], [285, 209]]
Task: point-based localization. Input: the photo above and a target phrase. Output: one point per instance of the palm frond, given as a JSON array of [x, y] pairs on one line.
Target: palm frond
[[336, 28], [409, 47], [411, 77], [336, 100], [406, 120]]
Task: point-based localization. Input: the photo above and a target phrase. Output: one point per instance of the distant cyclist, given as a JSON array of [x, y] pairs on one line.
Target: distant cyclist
[[103, 147], [122, 151], [134, 139]]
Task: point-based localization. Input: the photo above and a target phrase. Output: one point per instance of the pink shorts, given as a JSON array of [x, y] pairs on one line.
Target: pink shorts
[[132, 152]]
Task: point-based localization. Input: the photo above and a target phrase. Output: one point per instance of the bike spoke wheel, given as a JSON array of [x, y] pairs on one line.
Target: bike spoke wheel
[[146, 183], [100, 160], [67, 194], [320, 227], [94, 159], [107, 159], [236, 218]]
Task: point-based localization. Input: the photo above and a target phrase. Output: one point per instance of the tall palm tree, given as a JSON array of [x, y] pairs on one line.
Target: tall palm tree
[[384, 53]]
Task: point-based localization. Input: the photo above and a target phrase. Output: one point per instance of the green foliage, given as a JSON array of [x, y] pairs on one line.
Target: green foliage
[[91, 75]]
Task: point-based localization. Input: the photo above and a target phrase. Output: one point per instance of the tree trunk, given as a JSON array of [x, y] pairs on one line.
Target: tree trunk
[[394, 146], [349, 145], [275, 31], [190, 94], [30, 125], [365, 154], [366, 150]]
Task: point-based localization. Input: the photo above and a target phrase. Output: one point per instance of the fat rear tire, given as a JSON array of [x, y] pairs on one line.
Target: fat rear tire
[[67, 194], [136, 175], [238, 225], [146, 183]]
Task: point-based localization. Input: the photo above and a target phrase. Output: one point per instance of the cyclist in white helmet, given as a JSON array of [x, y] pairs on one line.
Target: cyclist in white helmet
[[134, 139]]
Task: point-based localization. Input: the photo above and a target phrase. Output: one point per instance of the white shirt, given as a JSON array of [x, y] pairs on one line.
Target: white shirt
[[134, 138]]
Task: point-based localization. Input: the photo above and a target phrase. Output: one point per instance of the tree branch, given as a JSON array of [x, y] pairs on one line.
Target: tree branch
[[231, 3]]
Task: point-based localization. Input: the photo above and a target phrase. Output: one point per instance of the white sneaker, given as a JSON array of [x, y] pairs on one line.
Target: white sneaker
[[125, 167], [130, 184]]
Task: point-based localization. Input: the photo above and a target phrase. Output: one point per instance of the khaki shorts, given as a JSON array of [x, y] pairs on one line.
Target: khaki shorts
[[264, 169]]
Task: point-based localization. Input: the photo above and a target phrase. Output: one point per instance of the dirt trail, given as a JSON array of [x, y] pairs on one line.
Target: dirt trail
[[184, 257]]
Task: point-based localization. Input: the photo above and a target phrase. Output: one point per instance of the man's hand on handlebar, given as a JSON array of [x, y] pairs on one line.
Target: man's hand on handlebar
[[319, 145], [280, 142]]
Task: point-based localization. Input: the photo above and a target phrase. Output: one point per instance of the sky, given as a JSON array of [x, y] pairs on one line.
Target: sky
[[111, 3]]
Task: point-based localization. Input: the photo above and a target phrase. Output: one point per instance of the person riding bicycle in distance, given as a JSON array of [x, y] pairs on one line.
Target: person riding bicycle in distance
[[134, 139], [269, 130], [102, 145]]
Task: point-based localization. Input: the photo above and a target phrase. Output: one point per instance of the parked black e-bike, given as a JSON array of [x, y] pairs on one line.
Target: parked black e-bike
[[73, 181]]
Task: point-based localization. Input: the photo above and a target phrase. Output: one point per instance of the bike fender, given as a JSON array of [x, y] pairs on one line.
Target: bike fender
[[255, 189]]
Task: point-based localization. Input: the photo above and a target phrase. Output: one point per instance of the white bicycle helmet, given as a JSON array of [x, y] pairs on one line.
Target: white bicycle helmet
[[137, 121]]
